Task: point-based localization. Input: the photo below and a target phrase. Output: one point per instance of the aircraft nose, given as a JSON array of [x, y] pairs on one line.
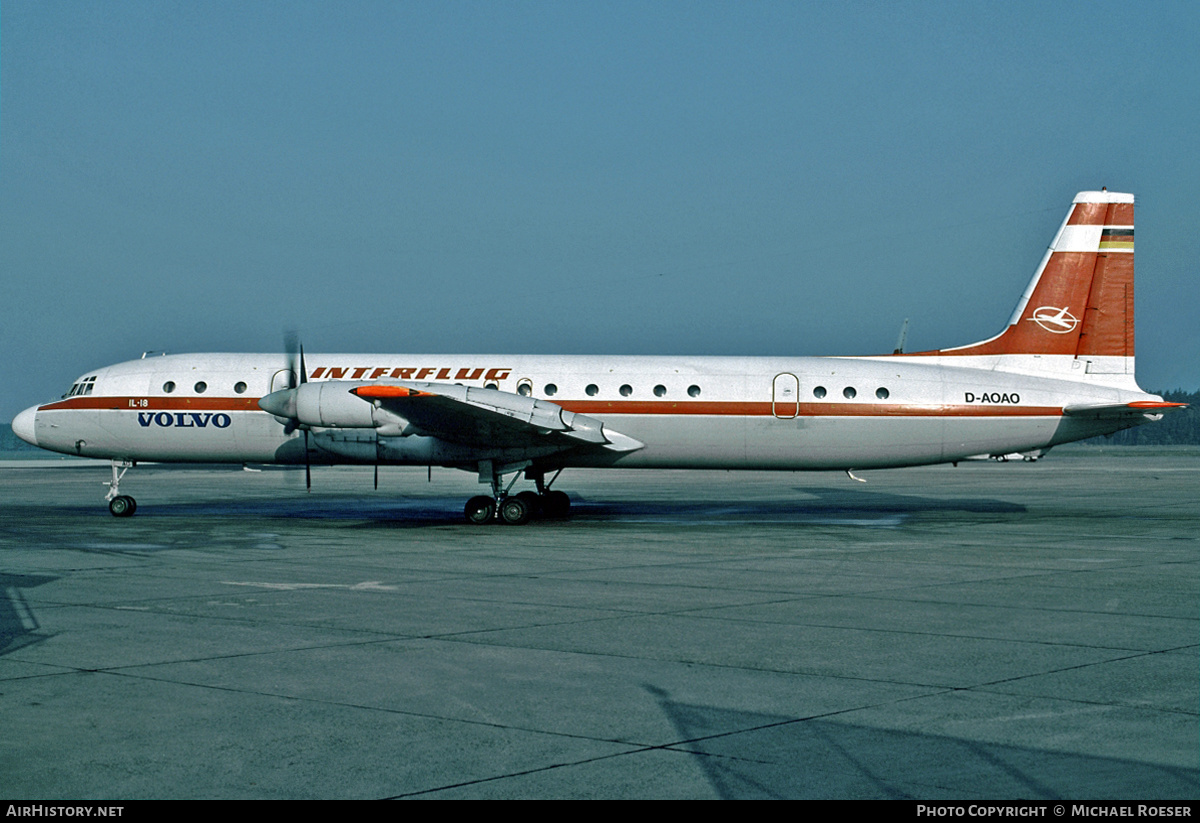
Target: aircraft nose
[[22, 426]]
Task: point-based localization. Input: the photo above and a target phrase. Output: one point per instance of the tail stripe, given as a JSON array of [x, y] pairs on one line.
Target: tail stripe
[[1117, 240]]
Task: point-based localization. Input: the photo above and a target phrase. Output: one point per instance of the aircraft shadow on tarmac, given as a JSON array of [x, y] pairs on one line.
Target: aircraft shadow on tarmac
[[815, 506], [780, 757], [18, 624], [811, 506]]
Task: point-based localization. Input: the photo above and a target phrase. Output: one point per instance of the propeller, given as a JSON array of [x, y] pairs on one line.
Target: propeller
[[282, 402], [295, 355]]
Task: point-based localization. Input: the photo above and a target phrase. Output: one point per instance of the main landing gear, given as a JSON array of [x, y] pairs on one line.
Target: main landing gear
[[120, 505], [516, 509]]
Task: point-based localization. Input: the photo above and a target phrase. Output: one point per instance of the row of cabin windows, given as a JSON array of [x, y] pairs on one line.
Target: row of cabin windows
[[524, 388], [850, 392], [201, 387]]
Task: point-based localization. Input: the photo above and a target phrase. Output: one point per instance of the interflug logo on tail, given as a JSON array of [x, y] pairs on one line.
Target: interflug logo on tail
[[1054, 319]]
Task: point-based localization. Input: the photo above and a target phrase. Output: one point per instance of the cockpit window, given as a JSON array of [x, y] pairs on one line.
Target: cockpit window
[[83, 386]]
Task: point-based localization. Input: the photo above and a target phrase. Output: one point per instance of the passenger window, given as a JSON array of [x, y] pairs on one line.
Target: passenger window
[[849, 393], [550, 390], [882, 393], [626, 390], [201, 387], [819, 392], [591, 389], [693, 391], [169, 386], [239, 387], [660, 390], [525, 387]]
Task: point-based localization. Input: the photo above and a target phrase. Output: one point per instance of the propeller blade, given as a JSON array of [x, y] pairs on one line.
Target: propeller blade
[[295, 356], [307, 465]]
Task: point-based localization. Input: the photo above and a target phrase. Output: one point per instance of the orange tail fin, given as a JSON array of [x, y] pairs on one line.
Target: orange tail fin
[[1080, 301]]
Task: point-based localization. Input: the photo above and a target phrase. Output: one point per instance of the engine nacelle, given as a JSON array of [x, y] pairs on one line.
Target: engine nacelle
[[329, 404], [540, 413], [582, 427]]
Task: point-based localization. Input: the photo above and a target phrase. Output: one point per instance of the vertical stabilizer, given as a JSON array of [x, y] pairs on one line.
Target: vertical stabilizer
[[1078, 308]]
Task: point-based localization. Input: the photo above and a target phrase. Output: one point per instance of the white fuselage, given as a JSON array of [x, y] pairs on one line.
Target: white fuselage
[[787, 413]]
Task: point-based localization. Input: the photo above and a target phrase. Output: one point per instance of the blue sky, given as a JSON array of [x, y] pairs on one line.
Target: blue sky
[[605, 177]]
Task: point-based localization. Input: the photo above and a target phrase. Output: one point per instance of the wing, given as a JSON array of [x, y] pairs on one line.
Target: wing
[[489, 417]]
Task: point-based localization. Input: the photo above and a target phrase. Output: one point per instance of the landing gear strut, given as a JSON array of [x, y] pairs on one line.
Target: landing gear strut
[[515, 509], [120, 505]]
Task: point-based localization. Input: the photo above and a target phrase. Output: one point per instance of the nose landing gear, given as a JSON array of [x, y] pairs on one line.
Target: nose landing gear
[[120, 505]]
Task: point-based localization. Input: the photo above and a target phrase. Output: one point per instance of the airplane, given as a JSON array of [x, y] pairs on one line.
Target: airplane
[[1062, 369]]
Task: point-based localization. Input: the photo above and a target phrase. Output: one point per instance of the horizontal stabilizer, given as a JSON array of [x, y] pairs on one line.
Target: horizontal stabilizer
[[1114, 411]]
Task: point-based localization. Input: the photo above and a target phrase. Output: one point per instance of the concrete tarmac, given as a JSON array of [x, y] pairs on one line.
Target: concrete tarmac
[[983, 632]]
